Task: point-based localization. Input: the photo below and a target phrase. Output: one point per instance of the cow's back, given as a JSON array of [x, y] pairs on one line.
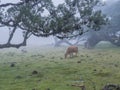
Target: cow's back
[[72, 49]]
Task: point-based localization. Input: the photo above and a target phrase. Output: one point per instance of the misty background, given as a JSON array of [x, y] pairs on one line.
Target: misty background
[[4, 32]]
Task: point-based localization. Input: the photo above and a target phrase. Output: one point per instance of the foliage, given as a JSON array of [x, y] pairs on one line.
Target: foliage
[[65, 20], [109, 33]]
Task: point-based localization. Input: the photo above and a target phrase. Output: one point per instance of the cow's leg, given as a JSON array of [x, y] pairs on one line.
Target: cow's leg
[[71, 55], [76, 54]]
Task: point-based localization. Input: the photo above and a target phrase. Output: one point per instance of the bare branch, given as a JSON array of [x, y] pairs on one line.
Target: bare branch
[[11, 35], [9, 45], [11, 4]]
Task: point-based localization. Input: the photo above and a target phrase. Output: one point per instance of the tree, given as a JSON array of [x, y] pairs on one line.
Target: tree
[[96, 37], [66, 20], [111, 32]]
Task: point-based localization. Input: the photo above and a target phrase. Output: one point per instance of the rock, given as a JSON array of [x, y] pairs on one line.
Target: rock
[[12, 65], [35, 72], [78, 61]]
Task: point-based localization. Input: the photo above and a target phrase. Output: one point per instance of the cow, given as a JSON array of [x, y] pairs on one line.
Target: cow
[[71, 50]]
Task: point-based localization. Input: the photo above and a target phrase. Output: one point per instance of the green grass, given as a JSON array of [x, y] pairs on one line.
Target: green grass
[[96, 67]]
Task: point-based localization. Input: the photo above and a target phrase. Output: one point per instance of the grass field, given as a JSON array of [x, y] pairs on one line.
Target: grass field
[[46, 69]]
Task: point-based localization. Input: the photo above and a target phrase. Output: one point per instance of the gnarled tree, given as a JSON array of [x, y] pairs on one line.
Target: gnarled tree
[[67, 20], [111, 32]]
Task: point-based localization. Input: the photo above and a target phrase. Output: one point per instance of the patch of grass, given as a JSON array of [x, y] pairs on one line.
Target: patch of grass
[[46, 69]]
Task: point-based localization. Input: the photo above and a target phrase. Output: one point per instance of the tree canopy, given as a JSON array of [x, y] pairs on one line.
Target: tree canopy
[[110, 32], [69, 19]]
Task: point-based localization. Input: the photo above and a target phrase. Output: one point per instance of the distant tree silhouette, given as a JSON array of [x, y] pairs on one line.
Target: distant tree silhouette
[[112, 30]]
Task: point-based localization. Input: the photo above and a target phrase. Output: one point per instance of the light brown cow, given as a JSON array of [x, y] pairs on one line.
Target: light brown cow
[[71, 50]]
